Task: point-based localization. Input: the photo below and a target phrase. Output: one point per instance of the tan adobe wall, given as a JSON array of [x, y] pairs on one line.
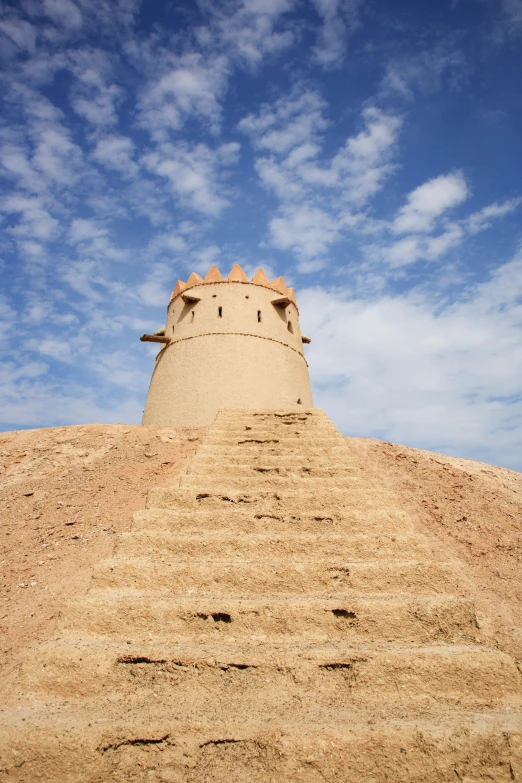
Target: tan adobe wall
[[233, 348], [193, 379], [242, 304]]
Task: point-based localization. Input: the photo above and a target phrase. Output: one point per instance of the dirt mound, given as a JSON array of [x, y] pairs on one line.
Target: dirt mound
[[65, 492], [290, 608], [475, 512]]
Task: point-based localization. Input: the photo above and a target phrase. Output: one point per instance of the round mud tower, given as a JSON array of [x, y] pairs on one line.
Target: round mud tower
[[227, 344]]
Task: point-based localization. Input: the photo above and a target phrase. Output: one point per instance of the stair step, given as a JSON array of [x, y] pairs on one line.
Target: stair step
[[280, 499], [314, 443], [280, 423], [280, 426], [267, 681], [224, 484], [242, 432], [260, 414], [223, 544], [119, 614], [239, 577], [239, 519], [252, 449], [259, 476], [369, 746], [281, 466]]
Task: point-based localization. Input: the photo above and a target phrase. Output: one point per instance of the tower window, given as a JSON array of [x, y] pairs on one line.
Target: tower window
[[220, 312], [192, 315], [290, 327], [259, 316]]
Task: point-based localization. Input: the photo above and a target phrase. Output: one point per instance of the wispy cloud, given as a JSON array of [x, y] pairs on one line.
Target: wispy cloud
[[250, 32], [190, 87], [318, 195], [363, 349], [116, 153], [193, 173], [339, 18], [429, 201], [426, 71]]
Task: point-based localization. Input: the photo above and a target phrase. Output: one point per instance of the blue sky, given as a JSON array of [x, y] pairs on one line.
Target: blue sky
[[367, 150]]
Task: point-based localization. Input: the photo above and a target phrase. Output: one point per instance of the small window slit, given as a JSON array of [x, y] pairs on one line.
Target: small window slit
[[220, 312], [259, 316]]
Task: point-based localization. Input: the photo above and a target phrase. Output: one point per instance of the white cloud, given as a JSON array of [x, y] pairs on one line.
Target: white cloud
[[202, 260], [14, 159], [429, 234], [317, 197], [293, 120], [513, 10], [57, 157], [363, 164], [190, 87], [63, 12], [193, 173], [357, 171], [22, 33], [95, 95], [412, 248], [32, 397], [99, 110], [426, 71], [307, 231], [482, 219], [35, 221], [405, 251], [429, 201], [339, 17], [249, 34], [153, 292], [83, 230], [116, 152], [509, 22], [414, 370], [168, 243]]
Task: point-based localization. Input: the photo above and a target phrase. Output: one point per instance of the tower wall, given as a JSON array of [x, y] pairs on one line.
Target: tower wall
[[231, 349]]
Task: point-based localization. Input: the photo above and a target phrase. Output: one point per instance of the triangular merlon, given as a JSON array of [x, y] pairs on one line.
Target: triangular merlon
[[213, 275], [260, 278], [237, 275]]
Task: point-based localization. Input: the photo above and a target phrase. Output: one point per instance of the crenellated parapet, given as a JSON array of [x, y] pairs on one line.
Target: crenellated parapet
[[237, 275]]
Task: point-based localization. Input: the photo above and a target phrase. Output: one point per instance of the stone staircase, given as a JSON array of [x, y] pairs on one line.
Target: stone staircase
[[275, 617]]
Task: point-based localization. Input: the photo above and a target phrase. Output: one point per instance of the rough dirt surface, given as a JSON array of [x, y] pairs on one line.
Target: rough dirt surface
[[66, 491], [296, 607], [64, 494], [475, 512]]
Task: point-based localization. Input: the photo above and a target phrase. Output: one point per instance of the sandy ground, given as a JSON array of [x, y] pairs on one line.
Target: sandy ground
[[475, 512], [65, 492]]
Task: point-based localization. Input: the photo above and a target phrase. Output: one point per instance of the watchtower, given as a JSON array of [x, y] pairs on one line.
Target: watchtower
[[228, 343]]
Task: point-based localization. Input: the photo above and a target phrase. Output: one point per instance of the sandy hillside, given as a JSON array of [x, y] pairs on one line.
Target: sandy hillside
[[65, 492], [475, 512]]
